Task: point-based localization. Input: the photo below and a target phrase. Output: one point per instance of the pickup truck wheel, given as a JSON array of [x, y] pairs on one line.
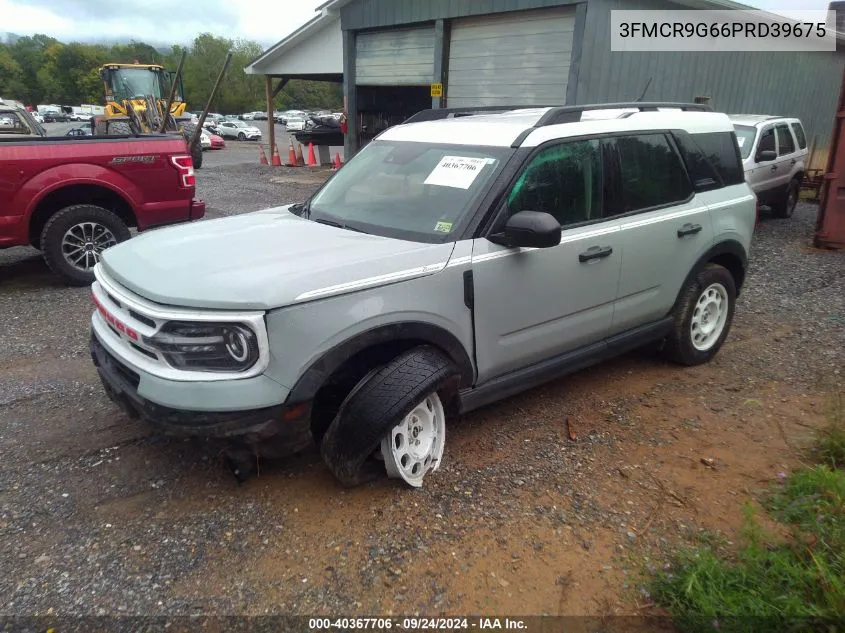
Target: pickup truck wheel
[[395, 413], [703, 317], [74, 238], [786, 207]]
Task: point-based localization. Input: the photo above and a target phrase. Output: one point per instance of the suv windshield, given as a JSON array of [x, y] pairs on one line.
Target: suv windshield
[[745, 138], [414, 191]]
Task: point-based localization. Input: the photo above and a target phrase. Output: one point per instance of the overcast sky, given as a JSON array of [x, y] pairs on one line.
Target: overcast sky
[[175, 22], [155, 21]]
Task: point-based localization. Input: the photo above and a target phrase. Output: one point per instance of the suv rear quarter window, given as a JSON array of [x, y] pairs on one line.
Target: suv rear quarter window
[[711, 156], [651, 174], [799, 135]]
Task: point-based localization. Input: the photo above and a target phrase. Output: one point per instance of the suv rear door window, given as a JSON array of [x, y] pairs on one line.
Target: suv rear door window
[[652, 173], [785, 143], [564, 180], [799, 135]]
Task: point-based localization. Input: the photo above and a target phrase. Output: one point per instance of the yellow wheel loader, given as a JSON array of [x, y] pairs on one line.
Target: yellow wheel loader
[[137, 103]]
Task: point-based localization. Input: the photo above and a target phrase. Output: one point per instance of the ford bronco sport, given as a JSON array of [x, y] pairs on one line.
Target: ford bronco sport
[[455, 261]]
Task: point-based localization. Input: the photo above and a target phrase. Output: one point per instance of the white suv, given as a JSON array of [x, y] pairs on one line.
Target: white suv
[[456, 260], [774, 156]]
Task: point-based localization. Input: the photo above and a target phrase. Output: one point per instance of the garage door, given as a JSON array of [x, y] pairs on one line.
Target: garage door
[[511, 58], [402, 57]]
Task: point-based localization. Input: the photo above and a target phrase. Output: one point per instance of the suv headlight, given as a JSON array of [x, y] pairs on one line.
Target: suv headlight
[[228, 347]]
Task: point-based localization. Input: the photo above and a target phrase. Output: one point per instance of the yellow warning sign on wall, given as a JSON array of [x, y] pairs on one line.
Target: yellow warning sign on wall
[[436, 90]]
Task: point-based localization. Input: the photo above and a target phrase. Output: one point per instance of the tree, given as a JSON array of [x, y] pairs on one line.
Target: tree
[[12, 84]]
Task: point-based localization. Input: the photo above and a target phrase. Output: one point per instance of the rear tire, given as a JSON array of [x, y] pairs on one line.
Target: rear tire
[[197, 156], [380, 402], [241, 136], [119, 128], [703, 316], [786, 207], [66, 237]]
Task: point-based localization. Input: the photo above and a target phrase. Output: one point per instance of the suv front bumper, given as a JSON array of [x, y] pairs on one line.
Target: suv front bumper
[[289, 426]]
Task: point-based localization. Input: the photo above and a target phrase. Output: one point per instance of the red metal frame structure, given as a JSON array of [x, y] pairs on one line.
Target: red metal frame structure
[[830, 229]]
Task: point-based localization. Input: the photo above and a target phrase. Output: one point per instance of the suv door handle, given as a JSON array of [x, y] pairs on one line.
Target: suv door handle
[[793, 161], [689, 229], [595, 252], [774, 167]]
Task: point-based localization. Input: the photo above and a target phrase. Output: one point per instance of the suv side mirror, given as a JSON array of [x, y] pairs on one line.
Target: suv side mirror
[[529, 229], [766, 155]]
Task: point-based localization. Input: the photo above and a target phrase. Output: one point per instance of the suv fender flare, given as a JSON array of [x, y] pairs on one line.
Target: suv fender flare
[[727, 247], [319, 371]]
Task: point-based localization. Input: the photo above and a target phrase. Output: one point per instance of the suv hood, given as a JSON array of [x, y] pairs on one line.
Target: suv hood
[[263, 260]]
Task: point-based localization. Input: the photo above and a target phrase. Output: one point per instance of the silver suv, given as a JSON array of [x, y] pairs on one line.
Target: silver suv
[[774, 156], [455, 261]]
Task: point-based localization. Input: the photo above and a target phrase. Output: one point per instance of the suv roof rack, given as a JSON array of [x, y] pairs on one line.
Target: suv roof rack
[[557, 114], [436, 114]]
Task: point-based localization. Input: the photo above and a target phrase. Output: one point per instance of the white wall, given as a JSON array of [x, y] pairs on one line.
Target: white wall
[[319, 52]]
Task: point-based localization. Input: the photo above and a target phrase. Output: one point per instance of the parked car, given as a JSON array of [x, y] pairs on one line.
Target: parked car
[[73, 197], [37, 117], [239, 130], [54, 117], [447, 265], [79, 116], [79, 131], [774, 156], [205, 140], [217, 142], [259, 116], [294, 123]]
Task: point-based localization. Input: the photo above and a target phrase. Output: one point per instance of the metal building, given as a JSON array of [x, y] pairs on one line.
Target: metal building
[[540, 52]]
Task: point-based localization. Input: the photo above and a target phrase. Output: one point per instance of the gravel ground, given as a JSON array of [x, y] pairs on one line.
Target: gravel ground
[[98, 516]]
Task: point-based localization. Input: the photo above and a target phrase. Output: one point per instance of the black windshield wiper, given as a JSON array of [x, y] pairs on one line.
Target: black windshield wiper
[[337, 224]]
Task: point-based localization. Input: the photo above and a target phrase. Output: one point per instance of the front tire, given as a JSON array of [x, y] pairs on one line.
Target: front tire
[[387, 402], [241, 136], [703, 316], [74, 238], [786, 207]]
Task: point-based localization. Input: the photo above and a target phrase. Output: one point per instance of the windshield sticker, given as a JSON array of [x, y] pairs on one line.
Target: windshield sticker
[[443, 227], [740, 140], [456, 171]]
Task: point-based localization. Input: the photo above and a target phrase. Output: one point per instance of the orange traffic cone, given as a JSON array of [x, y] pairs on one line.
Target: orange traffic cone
[[291, 155], [337, 163], [312, 159], [300, 160], [277, 160], [263, 160]]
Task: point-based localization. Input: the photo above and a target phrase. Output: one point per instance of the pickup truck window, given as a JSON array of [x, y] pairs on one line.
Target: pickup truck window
[[407, 190], [12, 123]]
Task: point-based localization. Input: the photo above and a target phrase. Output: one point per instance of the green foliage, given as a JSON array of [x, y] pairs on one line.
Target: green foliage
[[797, 585], [830, 447], [40, 69]]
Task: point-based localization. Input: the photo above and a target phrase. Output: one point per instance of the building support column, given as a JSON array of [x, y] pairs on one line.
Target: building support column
[[351, 143], [271, 122], [577, 49], [441, 60]]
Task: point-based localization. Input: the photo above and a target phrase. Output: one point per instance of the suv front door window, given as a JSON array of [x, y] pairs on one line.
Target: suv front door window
[[555, 299]]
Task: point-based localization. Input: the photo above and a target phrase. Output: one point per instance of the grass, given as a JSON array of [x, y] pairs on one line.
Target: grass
[[795, 583]]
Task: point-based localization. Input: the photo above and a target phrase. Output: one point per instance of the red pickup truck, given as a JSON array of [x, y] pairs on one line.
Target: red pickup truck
[[72, 197]]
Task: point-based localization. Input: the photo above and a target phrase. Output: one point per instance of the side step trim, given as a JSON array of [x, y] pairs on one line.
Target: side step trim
[[526, 378]]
